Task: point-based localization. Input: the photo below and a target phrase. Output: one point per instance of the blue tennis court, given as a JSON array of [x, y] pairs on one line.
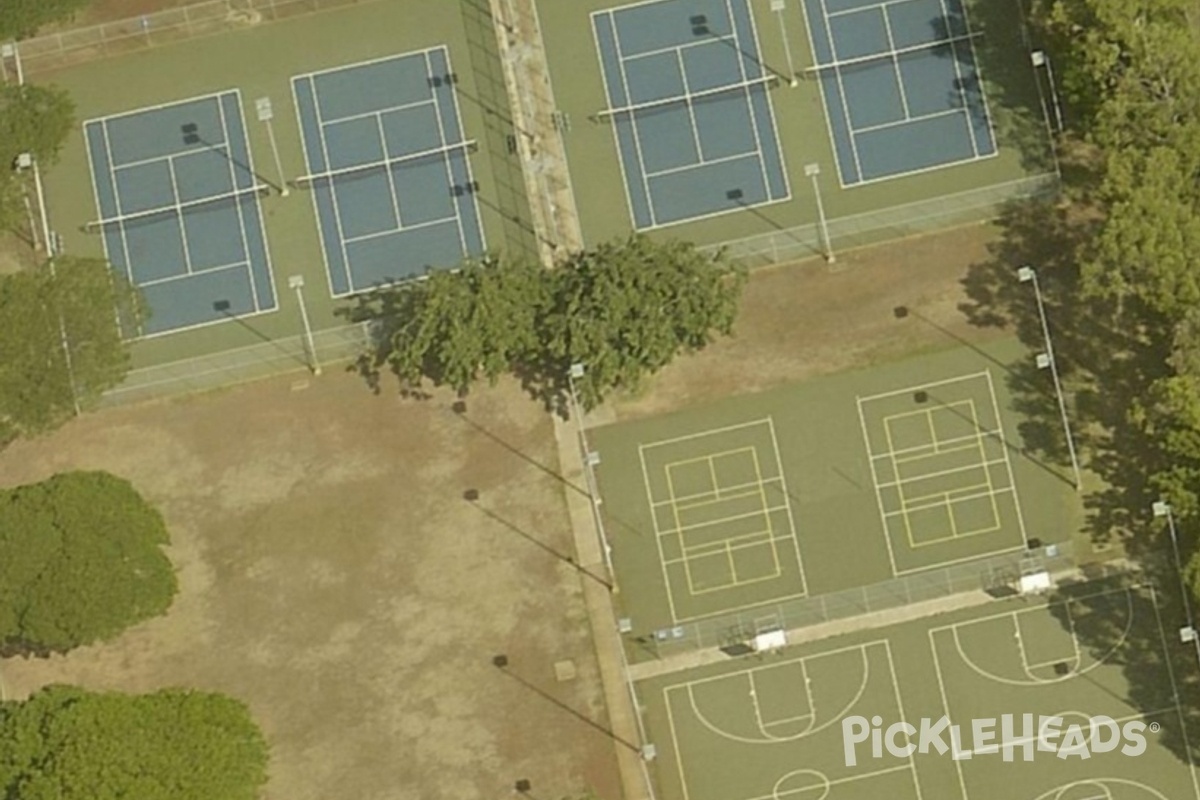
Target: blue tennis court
[[900, 84], [389, 169], [179, 210], [688, 99]]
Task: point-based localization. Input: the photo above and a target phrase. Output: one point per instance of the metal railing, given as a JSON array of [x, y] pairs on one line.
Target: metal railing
[[79, 45], [995, 574], [801, 242], [216, 370]]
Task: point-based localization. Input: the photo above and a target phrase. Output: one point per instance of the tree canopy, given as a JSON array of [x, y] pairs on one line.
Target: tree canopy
[[65, 743], [61, 343], [34, 120], [624, 310], [81, 559], [20, 19]]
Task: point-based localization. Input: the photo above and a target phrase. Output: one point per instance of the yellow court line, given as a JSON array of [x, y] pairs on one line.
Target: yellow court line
[[919, 386], [658, 536], [987, 472], [940, 473], [1016, 495], [943, 497], [940, 451], [723, 520], [887, 430], [887, 533], [738, 584], [701, 434], [762, 497], [733, 451], [712, 475], [716, 547], [748, 490], [970, 438], [932, 431], [792, 533]]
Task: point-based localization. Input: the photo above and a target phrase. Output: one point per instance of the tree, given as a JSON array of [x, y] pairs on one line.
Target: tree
[[61, 344], [20, 19], [80, 560], [35, 119], [625, 309], [65, 743], [628, 308]]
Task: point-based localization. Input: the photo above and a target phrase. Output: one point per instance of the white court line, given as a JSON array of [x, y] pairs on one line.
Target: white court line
[[337, 208], [887, 27], [691, 111], [741, 62], [388, 172], [112, 174], [970, 437], [637, 136], [962, 90], [308, 163], [462, 137], [783, 173], [912, 762], [604, 78], [368, 62], [238, 203], [794, 533], [954, 112], [380, 112], [662, 556], [941, 682], [1162, 635], [841, 87], [761, 512], [232, 265], [159, 106], [431, 223], [736, 494], [187, 256], [690, 167], [987, 111], [437, 104], [705, 498], [987, 467], [711, 38]]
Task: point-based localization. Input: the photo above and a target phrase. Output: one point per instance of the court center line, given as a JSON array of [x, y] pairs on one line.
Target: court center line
[[690, 167], [388, 174], [691, 111], [232, 265], [682, 46], [187, 256], [887, 27], [987, 465], [379, 112], [762, 499]]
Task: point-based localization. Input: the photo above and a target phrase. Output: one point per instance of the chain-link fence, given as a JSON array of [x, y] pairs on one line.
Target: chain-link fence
[[893, 222], [336, 348], [997, 575], [79, 45]]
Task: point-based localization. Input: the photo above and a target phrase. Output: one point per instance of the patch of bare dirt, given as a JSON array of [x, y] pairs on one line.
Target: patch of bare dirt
[[806, 319], [334, 577]]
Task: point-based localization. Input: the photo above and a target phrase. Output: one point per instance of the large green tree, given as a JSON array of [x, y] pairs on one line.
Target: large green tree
[[35, 120], [64, 743], [81, 559], [21, 18], [624, 309], [60, 344]]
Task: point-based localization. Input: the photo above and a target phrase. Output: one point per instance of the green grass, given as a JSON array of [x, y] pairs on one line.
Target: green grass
[[771, 726], [260, 61], [800, 118], [749, 502]]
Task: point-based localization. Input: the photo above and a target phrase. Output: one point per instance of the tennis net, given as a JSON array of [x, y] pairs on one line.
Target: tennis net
[[688, 99], [893, 54], [469, 145], [178, 208]]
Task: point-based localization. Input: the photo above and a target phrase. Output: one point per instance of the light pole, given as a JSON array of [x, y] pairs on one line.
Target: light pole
[[297, 282], [265, 114], [1040, 59], [812, 171], [778, 6], [1187, 634], [26, 161], [590, 460], [1027, 274]]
